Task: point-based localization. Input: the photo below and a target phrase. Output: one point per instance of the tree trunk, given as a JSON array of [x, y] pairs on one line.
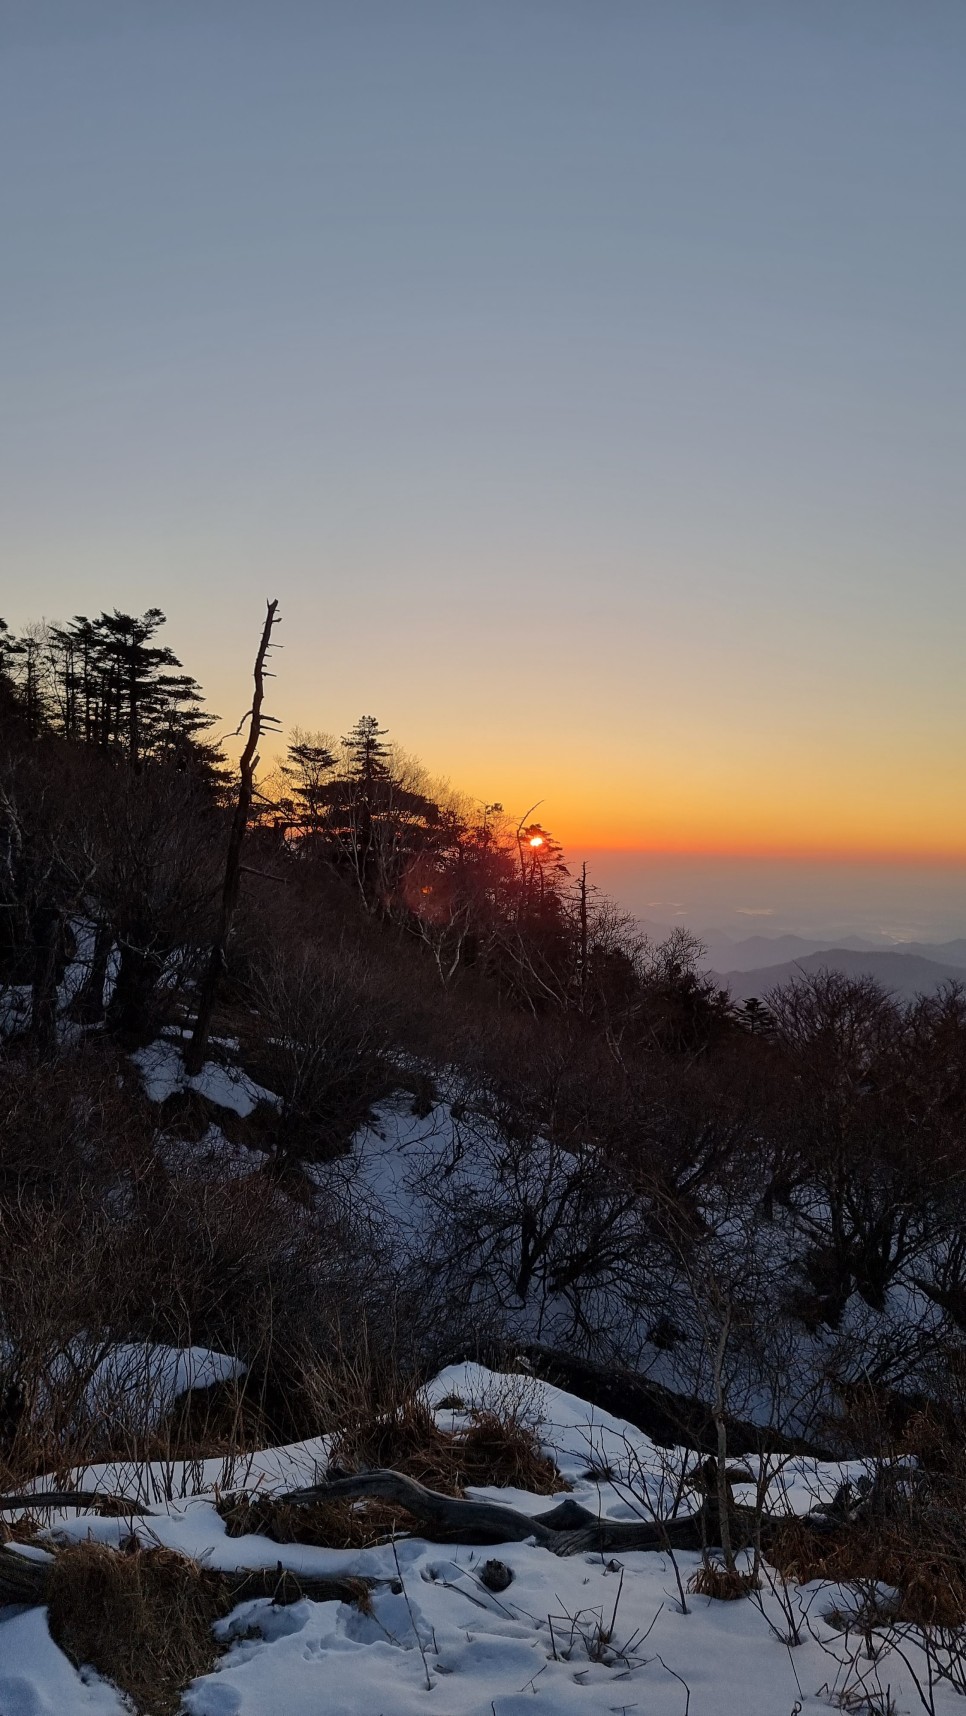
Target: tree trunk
[[132, 1013], [87, 1007], [195, 1052], [47, 932], [567, 1529]]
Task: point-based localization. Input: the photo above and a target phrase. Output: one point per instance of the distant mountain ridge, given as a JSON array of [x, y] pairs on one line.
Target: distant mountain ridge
[[755, 951], [906, 974]]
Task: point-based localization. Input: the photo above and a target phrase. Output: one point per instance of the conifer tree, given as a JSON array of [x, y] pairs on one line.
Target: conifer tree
[[112, 685], [23, 659], [368, 757]]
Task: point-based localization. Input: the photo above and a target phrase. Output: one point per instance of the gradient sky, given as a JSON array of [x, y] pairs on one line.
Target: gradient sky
[[587, 380]]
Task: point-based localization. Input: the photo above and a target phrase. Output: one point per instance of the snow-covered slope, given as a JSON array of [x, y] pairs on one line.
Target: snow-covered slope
[[437, 1642]]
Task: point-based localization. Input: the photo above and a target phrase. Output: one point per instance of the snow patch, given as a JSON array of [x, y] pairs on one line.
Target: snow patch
[[163, 1074]]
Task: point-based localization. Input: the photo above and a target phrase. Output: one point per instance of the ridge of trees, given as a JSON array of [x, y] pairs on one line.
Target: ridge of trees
[[364, 887], [128, 842]]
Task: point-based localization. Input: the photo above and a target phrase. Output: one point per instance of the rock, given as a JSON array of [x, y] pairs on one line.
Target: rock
[[496, 1575]]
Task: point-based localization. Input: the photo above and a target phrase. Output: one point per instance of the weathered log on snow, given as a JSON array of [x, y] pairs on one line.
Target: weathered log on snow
[[283, 1586], [38, 1501], [567, 1529], [24, 1580]]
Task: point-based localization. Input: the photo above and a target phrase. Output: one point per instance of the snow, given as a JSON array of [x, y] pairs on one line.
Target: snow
[[36, 1679], [443, 1644], [211, 1157], [163, 1074], [158, 1374], [448, 1200], [438, 1643]]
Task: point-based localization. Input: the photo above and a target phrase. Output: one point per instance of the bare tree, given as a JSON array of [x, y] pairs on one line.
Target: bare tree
[[195, 1052]]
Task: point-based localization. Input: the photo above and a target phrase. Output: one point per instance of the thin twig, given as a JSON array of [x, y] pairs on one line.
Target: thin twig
[[412, 1618]]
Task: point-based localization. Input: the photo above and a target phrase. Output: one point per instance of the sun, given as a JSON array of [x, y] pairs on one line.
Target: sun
[[536, 840]]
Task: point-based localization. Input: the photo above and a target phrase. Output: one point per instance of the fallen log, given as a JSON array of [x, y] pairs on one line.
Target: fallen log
[[567, 1529], [37, 1501], [25, 1581], [283, 1586], [23, 1578], [670, 1419]]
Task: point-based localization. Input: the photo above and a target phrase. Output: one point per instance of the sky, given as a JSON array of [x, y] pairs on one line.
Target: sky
[[585, 377]]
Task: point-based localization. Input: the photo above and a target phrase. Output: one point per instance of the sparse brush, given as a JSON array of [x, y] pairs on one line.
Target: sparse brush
[[225, 1418], [143, 1619], [927, 1569]]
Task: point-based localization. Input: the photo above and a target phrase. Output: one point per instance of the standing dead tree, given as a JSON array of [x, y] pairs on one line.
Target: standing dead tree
[[248, 762]]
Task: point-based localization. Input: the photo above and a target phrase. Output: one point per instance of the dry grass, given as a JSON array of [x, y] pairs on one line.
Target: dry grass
[[726, 1584], [326, 1525], [501, 1450], [24, 1528], [495, 1447], [926, 1568], [205, 1423], [406, 1437], [143, 1618]]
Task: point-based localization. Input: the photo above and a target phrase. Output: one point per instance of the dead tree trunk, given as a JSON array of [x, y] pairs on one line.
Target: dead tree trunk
[[195, 1053], [569, 1528]]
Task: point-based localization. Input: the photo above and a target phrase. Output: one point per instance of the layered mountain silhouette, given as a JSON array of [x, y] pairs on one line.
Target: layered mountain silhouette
[[906, 973]]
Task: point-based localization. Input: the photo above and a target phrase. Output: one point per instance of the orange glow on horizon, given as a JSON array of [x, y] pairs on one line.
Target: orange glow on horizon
[[825, 786], [817, 822], [774, 853], [592, 837]]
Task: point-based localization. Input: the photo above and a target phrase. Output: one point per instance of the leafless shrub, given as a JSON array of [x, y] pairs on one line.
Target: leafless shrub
[[592, 1635], [324, 1032]]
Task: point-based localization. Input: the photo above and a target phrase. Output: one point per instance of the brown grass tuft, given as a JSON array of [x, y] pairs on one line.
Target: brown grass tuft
[[25, 1528], [501, 1450], [405, 1437], [143, 1618], [496, 1447], [726, 1584]]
